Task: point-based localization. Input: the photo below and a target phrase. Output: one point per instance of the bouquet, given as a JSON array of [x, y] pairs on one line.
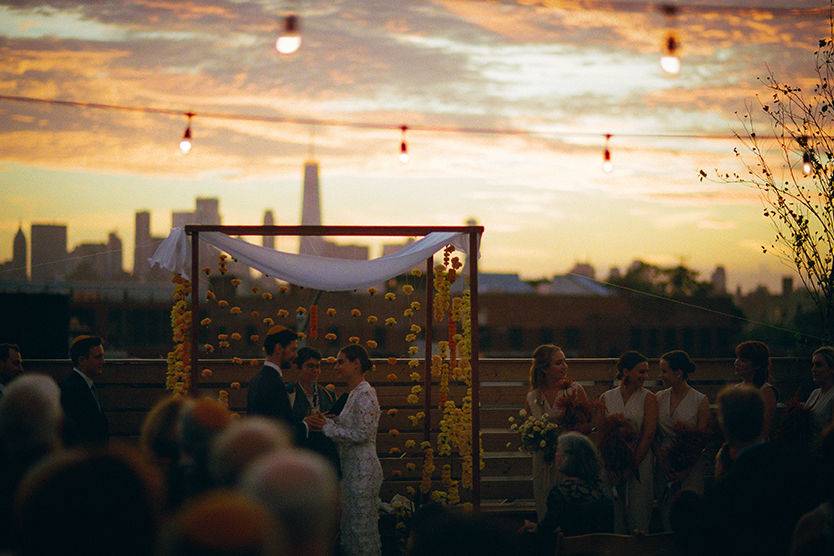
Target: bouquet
[[617, 446], [576, 414], [682, 452], [537, 434]]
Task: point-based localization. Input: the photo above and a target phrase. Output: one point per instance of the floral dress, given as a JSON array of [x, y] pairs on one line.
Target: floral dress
[[354, 432], [545, 474]]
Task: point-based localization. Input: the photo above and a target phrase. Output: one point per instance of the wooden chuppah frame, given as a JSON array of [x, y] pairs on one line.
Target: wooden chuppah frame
[[473, 232]]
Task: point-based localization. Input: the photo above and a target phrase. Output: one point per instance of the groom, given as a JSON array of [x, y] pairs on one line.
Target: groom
[[267, 393]]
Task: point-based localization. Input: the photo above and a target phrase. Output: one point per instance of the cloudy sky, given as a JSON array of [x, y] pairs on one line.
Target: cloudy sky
[[565, 72]]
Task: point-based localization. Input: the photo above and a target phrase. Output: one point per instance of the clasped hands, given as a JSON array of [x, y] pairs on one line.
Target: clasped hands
[[315, 421]]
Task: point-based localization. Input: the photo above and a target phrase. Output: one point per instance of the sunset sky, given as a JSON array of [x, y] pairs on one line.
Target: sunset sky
[[566, 71]]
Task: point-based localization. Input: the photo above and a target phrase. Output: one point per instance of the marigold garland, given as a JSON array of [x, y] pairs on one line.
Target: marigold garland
[[178, 374]]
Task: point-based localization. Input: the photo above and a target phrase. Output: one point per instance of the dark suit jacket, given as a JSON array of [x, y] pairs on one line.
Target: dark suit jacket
[[754, 507], [84, 421], [267, 396], [316, 441]]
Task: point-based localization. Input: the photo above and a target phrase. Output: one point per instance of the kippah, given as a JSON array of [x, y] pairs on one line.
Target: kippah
[[275, 329], [80, 339]]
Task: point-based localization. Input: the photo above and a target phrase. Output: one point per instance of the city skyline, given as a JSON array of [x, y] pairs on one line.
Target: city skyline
[[565, 74]]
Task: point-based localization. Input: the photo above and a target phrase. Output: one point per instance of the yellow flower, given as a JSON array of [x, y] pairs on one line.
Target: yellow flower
[[255, 338], [372, 319], [206, 373], [266, 295], [394, 450], [394, 432], [210, 295], [283, 313], [391, 377], [412, 350], [331, 311], [330, 387], [416, 389], [222, 336], [393, 411], [543, 444], [330, 337], [522, 413], [371, 344], [416, 272], [268, 321], [209, 348], [237, 360], [301, 335], [205, 322], [371, 291], [415, 305], [353, 340], [408, 313], [355, 312], [254, 314], [284, 289], [235, 336], [223, 303], [411, 466], [416, 377], [235, 282], [392, 360], [412, 399], [390, 321], [408, 289], [331, 360], [235, 386], [415, 328], [235, 311], [410, 443], [300, 310], [390, 296], [413, 363], [410, 490]]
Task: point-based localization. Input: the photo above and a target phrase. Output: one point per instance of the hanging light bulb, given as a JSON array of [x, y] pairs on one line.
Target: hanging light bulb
[[807, 167], [290, 38], [607, 165], [403, 146], [670, 62], [185, 144]]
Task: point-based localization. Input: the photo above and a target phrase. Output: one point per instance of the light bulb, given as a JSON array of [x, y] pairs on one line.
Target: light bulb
[[670, 64], [608, 166], [404, 157], [403, 145], [290, 39], [185, 146], [807, 168]]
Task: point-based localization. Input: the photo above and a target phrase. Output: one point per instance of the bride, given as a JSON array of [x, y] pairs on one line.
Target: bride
[[354, 432]]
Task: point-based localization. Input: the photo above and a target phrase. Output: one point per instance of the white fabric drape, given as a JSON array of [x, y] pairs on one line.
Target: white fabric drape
[[320, 273]]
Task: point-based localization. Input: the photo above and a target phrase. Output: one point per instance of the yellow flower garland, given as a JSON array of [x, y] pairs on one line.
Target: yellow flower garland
[[178, 374]]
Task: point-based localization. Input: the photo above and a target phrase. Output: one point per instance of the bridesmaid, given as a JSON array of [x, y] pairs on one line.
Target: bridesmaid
[[752, 366], [680, 403], [821, 400], [635, 496], [549, 383]]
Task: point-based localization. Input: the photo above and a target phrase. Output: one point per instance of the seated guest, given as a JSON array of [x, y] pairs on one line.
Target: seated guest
[[752, 366], [821, 400], [307, 396], [578, 504], [244, 441], [92, 503], [753, 506], [223, 523], [84, 419], [11, 365], [201, 421], [159, 443], [300, 490], [30, 429], [814, 534]]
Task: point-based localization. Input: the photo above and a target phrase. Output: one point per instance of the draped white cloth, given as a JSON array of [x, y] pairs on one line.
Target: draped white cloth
[[309, 271]]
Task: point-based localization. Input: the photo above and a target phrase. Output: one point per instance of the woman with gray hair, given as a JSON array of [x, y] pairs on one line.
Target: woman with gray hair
[[578, 504]]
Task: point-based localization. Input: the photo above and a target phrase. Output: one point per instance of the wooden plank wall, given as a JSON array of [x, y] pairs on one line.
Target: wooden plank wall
[[129, 388]]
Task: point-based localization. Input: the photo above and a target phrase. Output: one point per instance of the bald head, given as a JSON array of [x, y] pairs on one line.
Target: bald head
[[243, 442], [300, 489]]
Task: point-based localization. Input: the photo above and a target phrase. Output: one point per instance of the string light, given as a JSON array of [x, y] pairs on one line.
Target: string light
[[403, 145], [807, 167], [185, 144], [670, 62], [607, 165], [290, 38]]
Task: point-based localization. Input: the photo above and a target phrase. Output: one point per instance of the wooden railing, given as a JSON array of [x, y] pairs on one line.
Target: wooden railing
[[129, 388]]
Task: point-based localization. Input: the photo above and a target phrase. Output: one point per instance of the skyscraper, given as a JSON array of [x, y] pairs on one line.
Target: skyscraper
[[49, 252], [113, 268], [142, 244], [719, 280], [18, 256], [311, 210], [269, 220], [206, 212]]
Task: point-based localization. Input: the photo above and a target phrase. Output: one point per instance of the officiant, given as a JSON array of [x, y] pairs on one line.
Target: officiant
[[307, 396]]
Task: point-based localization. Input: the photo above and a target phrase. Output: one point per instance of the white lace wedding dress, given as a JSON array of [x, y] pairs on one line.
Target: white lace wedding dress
[[354, 432]]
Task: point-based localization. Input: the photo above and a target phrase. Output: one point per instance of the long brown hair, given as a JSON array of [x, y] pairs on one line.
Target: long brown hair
[[541, 362]]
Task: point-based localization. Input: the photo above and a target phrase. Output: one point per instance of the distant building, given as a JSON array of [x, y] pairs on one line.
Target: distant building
[[206, 212], [574, 285], [493, 282], [269, 220], [311, 216], [113, 266], [15, 269], [584, 269], [49, 252], [142, 244], [391, 248], [719, 280], [614, 274]]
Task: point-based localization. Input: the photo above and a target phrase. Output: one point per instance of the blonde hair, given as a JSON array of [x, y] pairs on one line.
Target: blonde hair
[[542, 357]]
